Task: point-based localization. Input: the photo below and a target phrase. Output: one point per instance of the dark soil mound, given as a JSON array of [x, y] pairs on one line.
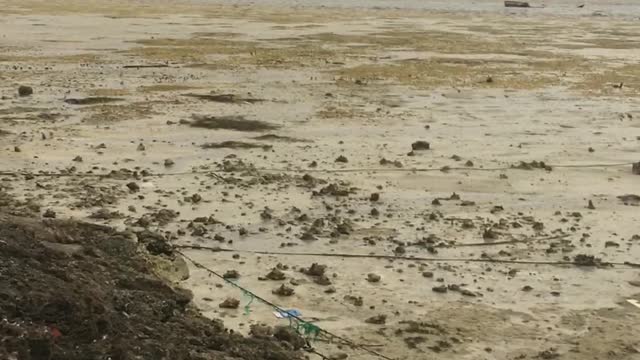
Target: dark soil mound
[[75, 291]]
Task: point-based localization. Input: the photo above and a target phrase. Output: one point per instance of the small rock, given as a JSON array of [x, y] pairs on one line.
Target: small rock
[[276, 274], [230, 303], [338, 356], [196, 198], [436, 202], [375, 212], [283, 291], [288, 335], [231, 274], [377, 320], [50, 214], [315, 270], [374, 197], [77, 158], [420, 145], [469, 163], [168, 163], [428, 274], [25, 91], [133, 187], [342, 159], [141, 147], [373, 278], [17, 149], [440, 289], [466, 292], [527, 288], [591, 206]]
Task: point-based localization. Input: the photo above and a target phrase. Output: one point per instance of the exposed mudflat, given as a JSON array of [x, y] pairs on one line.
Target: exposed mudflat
[[496, 147]]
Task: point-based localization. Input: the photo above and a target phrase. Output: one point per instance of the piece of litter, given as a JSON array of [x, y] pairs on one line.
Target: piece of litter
[[634, 302], [287, 313]]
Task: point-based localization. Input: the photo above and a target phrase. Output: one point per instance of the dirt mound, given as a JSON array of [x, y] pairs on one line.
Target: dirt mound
[[72, 290]]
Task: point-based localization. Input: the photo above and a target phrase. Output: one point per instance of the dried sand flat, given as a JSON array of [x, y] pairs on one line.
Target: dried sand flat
[[529, 118]]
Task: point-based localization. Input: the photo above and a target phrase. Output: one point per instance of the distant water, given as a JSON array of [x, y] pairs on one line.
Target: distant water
[[617, 8]]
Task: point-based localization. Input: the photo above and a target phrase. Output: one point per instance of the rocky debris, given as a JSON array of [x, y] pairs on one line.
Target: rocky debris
[[590, 206], [133, 187], [395, 163], [161, 217], [469, 163], [155, 243], [377, 320], [354, 300], [635, 168], [276, 275], [527, 288], [17, 149], [105, 214], [548, 354], [341, 159], [168, 163], [315, 270], [440, 289], [373, 278], [283, 290], [261, 331], [101, 301], [231, 274], [288, 335], [313, 164], [77, 158], [523, 165], [229, 303], [141, 147], [489, 234], [194, 199], [420, 145], [25, 91], [232, 122], [276, 137], [50, 214], [334, 189], [586, 260], [428, 274], [374, 197], [609, 244], [630, 199]]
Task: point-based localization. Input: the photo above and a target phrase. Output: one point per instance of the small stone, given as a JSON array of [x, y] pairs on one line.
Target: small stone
[[591, 206], [25, 91], [609, 244], [440, 289], [50, 214], [374, 197], [17, 149], [342, 159], [436, 202], [141, 147], [338, 356], [377, 320], [315, 270], [77, 158], [196, 198], [231, 274], [427, 274], [230, 303], [527, 288], [373, 278], [375, 212], [283, 291], [591, 150], [420, 145], [313, 164], [276, 275], [469, 163], [466, 292], [133, 187], [168, 163]]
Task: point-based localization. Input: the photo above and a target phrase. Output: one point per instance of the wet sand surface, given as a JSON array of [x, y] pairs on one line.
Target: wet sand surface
[[495, 147]]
